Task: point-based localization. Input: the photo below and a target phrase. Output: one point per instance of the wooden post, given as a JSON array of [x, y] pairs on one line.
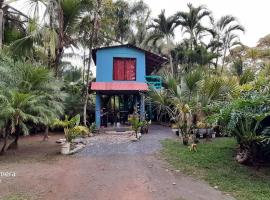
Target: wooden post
[[98, 110], [142, 107], [114, 110]]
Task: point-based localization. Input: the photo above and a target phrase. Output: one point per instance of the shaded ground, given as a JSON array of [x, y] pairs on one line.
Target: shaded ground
[[108, 169]]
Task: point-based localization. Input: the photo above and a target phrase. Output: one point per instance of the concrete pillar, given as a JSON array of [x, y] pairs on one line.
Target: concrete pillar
[[142, 107], [98, 110]]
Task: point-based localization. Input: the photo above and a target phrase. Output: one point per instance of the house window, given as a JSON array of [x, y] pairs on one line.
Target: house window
[[124, 69]]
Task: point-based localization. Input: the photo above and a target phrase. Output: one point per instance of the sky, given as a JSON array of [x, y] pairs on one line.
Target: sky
[[254, 15]]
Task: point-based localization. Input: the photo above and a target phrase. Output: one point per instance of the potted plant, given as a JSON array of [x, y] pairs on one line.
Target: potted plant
[[136, 125], [71, 130], [202, 127], [183, 113], [175, 129], [145, 127], [92, 129]]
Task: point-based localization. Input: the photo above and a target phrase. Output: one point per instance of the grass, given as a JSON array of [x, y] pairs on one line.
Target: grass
[[17, 197], [214, 162]]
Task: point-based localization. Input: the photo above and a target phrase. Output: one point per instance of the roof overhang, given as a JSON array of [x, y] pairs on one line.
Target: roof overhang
[[119, 86]]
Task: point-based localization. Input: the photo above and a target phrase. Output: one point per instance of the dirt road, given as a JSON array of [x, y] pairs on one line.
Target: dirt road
[[107, 169]]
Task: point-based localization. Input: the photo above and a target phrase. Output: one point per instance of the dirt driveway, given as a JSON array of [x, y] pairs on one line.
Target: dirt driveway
[[110, 168]]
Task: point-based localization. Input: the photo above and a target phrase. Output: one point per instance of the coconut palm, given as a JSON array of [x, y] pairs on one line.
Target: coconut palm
[[163, 29]]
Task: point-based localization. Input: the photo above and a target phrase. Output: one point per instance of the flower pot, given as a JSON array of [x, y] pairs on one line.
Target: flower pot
[[176, 131], [65, 148], [185, 140]]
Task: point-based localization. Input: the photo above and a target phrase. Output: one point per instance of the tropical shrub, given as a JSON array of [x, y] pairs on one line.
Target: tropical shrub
[[242, 119], [136, 124], [71, 126], [29, 93]]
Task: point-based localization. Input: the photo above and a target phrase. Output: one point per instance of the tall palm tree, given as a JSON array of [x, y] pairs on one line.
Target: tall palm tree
[[123, 20], [191, 22], [224, 37], [163, 29]]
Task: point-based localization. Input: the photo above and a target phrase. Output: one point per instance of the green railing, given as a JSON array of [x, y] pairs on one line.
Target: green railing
[[154, 81]]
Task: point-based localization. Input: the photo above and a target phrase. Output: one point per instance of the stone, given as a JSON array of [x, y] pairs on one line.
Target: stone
[[61, 141], [174, 183], [216, 187], [80, 141]]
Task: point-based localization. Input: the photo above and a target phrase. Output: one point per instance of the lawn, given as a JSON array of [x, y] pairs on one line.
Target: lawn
[[214, 162]]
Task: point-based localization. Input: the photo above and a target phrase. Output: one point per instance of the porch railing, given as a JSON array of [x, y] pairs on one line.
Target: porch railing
[[154, 81]]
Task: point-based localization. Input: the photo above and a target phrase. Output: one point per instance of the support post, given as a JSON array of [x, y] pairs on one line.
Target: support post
[[142, 107], [98, 110]]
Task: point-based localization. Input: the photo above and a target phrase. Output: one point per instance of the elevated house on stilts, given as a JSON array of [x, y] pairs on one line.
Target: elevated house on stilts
[[124, 74]]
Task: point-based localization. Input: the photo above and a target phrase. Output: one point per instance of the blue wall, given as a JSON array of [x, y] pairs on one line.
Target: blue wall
[[104, 62]]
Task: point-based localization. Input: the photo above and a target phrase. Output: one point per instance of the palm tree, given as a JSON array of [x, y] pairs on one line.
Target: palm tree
[[122, 16], [92, 20], [191, 83], [10, 16], [18, 108], [191, 22], [163, 29], [28, 94], [55, 33], [224, 37]]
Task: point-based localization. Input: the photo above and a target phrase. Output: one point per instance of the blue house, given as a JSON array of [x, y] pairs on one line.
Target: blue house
[[123, 76]]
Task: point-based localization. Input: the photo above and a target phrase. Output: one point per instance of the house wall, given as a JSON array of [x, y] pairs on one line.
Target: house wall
[[104, 63]]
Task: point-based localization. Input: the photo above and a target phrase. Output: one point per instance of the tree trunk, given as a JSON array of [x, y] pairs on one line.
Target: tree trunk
[[61, 43], [87, 88], [171, 63], [83, 74], [5, 141], [223, 59], [93, 38], [14, 144], [170, 55], [1, 27], [46, 133]]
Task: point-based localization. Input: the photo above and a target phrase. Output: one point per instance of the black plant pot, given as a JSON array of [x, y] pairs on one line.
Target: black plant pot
[[185, 141], [177, 133]]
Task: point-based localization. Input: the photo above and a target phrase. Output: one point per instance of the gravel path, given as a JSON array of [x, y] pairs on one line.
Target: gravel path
[[120, 144]]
